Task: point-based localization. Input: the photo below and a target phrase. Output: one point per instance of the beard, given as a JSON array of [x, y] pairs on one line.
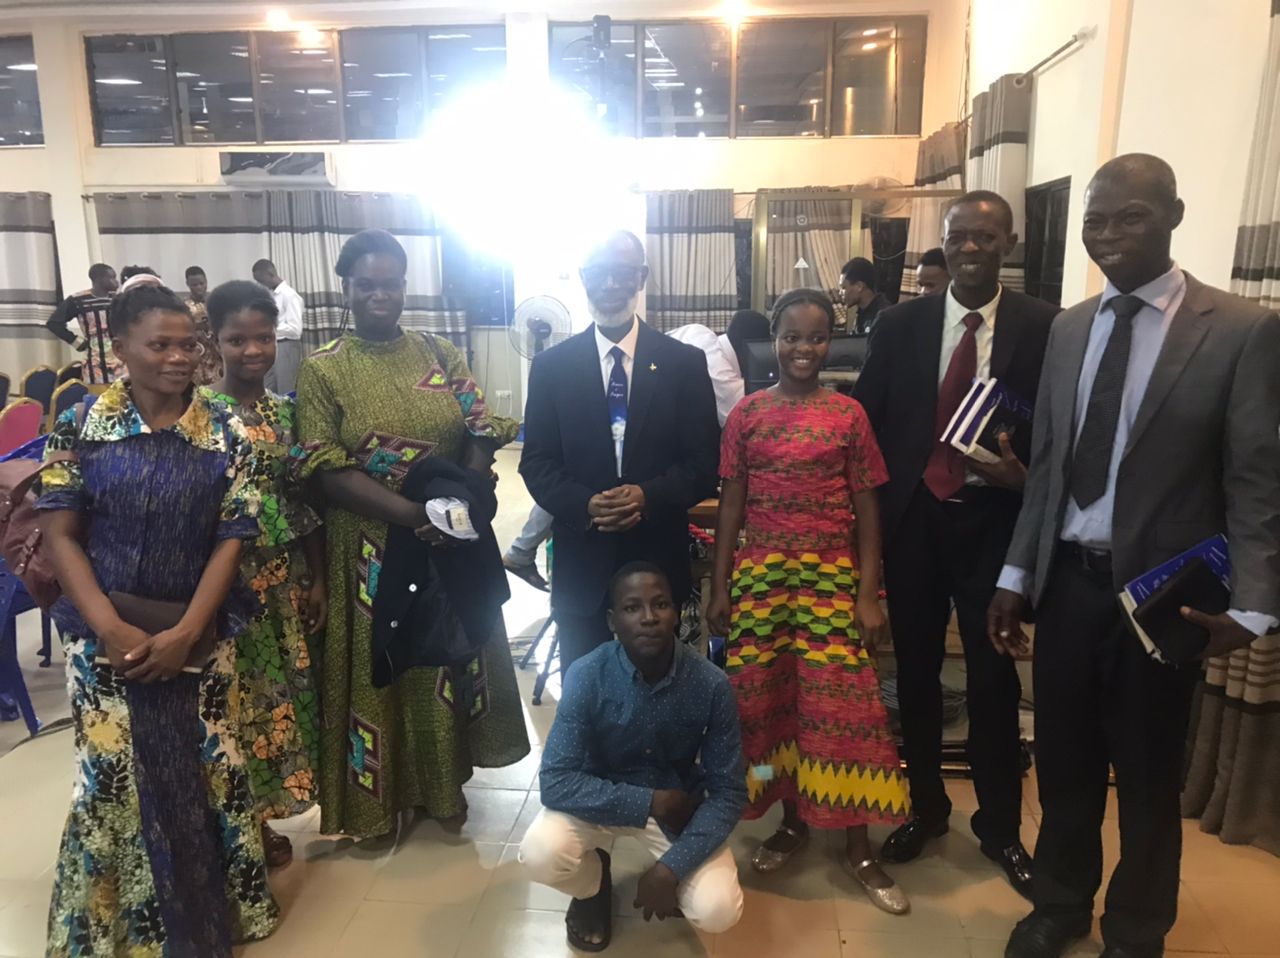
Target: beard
[[616, 319]]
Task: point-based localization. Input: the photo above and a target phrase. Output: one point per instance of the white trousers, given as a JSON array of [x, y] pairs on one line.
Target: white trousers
[[559, 851], [283, 376]]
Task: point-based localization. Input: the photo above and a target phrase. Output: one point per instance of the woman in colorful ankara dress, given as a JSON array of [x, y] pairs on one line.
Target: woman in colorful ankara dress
[[279, 720], [148, 499], [369, 404], [798, 461]]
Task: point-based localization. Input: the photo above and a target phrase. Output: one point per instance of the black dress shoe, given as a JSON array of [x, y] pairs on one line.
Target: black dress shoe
[[529, 573], [1016, 862], [907, 841], [1040, 936]]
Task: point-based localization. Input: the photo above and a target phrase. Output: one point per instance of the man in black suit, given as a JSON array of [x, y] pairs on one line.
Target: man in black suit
[[947, 521], [620, 440]]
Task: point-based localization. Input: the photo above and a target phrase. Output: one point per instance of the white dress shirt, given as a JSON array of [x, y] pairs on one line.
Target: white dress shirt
[[722, 365], [628, 346], [1091, 526], [290, 305], [953, 330]]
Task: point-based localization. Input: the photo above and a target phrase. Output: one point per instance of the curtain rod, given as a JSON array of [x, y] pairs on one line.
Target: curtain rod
[[1022, 77]]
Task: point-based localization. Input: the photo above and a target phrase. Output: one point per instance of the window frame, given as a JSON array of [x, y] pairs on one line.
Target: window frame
[[39, 98], [172, 86]]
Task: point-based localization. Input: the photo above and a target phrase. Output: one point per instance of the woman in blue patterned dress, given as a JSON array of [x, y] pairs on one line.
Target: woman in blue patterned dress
[[161, 855]]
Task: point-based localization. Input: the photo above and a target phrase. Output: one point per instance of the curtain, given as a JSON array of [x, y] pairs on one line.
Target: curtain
[[809, 243], [1255, 272], [939, 166], [999, 130], [1233, 772], [28, 284], [693, 276]]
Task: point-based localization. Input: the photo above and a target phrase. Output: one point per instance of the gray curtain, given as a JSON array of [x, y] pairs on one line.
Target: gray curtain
[[809, 242], [939, 166], [1233, 771], [693, 272], [28, 284], [998, 133]]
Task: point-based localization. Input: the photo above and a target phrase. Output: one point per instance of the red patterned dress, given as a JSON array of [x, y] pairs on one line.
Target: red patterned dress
[[814, 728]]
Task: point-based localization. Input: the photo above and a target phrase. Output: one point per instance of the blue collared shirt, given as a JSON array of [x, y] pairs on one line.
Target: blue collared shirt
[[616, 739], [1091, 526]]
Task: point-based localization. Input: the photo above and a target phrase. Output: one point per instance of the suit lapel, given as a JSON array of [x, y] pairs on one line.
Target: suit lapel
[[1189, 326], [644, 377], [1066, 385], [929, 341], [1005, 338]]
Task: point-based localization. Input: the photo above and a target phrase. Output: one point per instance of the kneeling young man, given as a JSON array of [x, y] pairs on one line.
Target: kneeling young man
[[623, 759]]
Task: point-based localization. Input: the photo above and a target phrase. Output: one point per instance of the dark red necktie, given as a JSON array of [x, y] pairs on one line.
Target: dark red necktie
[[944, 474]]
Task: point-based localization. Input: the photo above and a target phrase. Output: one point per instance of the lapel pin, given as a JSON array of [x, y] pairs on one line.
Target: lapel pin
[[653, 367]]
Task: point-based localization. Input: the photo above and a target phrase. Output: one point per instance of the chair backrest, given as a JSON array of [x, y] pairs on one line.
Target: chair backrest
[[19, 423], [64, 397], [39, 383], [4, 390], [71, 371]]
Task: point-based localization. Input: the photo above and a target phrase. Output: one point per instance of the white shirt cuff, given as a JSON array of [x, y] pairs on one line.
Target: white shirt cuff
[[1015, 580], [1259, 623]]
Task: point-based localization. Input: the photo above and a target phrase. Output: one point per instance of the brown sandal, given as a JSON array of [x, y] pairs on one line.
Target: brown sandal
[[278, 848]]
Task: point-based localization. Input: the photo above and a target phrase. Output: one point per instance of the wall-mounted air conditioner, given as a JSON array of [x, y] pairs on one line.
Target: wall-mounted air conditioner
[[275, 169]]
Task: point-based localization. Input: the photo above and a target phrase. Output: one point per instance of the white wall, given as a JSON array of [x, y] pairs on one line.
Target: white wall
[[1191, 96]]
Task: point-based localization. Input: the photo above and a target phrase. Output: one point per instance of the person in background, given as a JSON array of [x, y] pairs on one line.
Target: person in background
[[1156, 428], [645, 743], [801, 608], [931, 272], [370, 404], [283, 377], [722, 352], [161, 854], [88, 308], [279, 721], [129, 272], [210, 368], [521, 557], [858, 286], [620, 442]]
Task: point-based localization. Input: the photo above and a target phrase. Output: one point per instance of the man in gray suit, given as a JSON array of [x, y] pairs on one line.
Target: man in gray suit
[[1156, 427]]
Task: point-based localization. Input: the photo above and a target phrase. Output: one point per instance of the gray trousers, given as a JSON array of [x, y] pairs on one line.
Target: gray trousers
[[283, 377], [524, 549]]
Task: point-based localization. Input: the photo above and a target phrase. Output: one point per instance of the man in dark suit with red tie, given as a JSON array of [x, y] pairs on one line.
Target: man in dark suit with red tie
[[621, 439], [947, 520]]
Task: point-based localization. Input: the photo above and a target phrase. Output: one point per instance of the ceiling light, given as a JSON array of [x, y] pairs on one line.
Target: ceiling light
[[355, 93], [158, 60], [390, 76], [734, 12], [184, 75], [118, 81], [24, 67], [698, 111], [279, 20], [697, 105], [870, 33], [702, 134], [350, 66], [448, 36], [667, 84], [311, 52], [314, 91], [266, 81], [814, 102], [243, 54], [489, 49], [871, 46], [312, 37], [698, 91], [239, 99]]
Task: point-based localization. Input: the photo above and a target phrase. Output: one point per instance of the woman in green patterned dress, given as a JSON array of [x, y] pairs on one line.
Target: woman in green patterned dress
[[369, 405], [278, 711]]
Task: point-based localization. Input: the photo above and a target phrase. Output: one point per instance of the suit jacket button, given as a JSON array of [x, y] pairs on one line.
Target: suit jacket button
[[413, 587], [395, 624]]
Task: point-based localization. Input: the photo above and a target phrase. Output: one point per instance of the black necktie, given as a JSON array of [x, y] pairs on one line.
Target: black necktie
[[1092, 465]]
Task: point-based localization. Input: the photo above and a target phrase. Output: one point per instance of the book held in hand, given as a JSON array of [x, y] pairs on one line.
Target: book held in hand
[[989, 409], [1153, 602]]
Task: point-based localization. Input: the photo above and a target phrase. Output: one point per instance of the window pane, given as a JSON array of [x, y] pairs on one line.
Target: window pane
[[459, 58], [215, 87], [686, 79], [130, 89], [382, 71], [879, 77], [19, 96], [603, 78], [782, 77], [298, 76]]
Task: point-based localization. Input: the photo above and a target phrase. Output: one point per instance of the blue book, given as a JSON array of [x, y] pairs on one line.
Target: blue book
[[989, 409], [1212, 554]]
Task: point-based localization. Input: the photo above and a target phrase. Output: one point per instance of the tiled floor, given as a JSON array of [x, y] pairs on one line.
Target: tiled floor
[[433, 895]]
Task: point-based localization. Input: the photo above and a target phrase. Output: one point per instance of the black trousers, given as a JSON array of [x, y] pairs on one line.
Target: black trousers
[[946, 553], [1101, 701], [580, 634]]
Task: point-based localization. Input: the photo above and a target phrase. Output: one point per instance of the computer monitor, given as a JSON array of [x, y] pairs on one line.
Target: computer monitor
[[846, 354]]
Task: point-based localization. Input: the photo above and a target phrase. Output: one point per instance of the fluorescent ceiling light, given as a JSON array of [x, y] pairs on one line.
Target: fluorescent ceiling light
[[243, 54], [118, 81], [870, 33], [279, 19], [184, 75], [311, 52], [448, 36], [24, 67], [315, 91], [239, 99], [389, 76], [489, 49], [351, 93], [870, 46], [667, 85]]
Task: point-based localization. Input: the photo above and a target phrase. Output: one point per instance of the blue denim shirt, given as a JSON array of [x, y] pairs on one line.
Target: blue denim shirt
[[616, 739]]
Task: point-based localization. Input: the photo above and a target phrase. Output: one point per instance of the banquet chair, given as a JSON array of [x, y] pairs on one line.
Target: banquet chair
[[71, 371], [39, 383], [4, 389], [64, 397], [19, 423], [34, 449], [14, 697]]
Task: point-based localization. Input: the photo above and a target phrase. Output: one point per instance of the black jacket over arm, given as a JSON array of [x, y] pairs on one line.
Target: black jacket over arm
[[898, 385], [672, 451]]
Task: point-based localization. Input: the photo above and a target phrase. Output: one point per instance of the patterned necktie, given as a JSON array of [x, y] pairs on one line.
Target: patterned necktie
[[944, 473], [1091, 467], [618, 404]]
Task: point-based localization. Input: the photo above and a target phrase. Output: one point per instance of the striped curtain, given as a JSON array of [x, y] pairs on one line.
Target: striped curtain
[[999, 130], [939, 166], [693, 272], [28, 284], [1233, 774], [809, 242]]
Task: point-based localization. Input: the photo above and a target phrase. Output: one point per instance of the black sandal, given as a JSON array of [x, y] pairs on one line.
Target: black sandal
[[595, 914]]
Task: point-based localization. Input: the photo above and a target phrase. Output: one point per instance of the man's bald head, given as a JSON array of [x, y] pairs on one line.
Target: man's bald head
[[620, 245], [1131, 209], [612, 276]]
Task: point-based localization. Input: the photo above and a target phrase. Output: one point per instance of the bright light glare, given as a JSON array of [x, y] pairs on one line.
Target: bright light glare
[[118, 81], [734, 12], [312, 37], [24, 67], [870, 46], [870, 33], [522, 171], [279, 19]]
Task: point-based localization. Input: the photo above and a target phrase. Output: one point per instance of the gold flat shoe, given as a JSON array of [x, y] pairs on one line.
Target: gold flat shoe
[[767, 860], [892, 899]]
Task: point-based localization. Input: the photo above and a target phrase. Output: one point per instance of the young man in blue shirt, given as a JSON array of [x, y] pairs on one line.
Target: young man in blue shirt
[[623, 759]]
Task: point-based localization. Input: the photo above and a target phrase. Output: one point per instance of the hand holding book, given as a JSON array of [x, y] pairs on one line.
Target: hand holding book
[[1225, 633], [1007, 472]]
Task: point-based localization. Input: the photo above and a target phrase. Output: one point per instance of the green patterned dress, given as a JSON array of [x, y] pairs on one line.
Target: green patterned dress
[[379, 406], [279, 725]]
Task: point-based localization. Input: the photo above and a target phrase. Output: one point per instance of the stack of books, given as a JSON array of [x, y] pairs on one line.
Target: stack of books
[[989, 409], [1197, 579]]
